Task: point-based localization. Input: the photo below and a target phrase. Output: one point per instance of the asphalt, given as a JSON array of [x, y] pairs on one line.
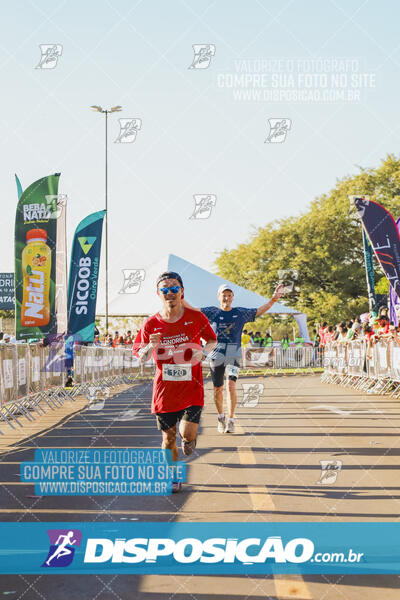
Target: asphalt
[[269, 470]]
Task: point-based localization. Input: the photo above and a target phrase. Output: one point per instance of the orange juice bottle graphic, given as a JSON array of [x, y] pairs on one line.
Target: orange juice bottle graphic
[[36, 269]]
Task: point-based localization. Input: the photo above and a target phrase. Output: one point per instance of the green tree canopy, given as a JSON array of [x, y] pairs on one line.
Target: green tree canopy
[[324, 244]]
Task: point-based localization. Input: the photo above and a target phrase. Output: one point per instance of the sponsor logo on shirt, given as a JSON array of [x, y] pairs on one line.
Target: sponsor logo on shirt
[[227, 328], [171, 340]]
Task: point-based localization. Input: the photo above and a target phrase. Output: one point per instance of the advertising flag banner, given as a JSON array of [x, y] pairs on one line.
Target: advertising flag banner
[[35, 259], [394, 300], [369, 271], [7, 297], [83, 277], [383, 234]]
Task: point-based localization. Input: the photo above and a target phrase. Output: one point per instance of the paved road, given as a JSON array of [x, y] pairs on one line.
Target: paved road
[[269, 470]]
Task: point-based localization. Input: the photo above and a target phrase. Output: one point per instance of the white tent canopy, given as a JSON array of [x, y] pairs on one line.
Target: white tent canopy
[[200, 290]]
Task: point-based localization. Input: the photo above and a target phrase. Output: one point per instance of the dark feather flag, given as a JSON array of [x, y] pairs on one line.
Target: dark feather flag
[[384, 237], [394, 300], [83, 277]]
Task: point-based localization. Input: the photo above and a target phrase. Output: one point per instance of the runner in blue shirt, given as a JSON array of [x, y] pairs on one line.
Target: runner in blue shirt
[[228, 323]]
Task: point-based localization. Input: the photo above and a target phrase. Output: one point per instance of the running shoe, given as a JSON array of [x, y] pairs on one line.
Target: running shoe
[[188, 447], [230, 426], [221, 424], [176, 487]]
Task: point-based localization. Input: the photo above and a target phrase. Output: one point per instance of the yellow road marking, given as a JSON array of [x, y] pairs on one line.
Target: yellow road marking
[[260, 498], [262, 501], [246, 456], [293, 586]]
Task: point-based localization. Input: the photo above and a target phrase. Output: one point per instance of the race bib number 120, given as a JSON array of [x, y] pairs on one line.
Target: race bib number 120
[[177, 372]]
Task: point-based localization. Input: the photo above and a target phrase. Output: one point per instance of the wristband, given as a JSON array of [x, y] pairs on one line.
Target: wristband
[[143, 351]]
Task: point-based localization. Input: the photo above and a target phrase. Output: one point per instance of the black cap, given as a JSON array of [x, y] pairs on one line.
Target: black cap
[[169, 275]]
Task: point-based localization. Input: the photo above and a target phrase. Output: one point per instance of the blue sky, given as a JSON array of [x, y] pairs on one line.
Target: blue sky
[[196, 136]]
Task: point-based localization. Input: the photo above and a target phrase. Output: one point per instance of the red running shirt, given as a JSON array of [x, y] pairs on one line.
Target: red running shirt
[[178, 382]]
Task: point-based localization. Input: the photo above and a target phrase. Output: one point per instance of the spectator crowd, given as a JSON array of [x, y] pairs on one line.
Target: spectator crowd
[[124, 340], [369, 327], [259, 340]]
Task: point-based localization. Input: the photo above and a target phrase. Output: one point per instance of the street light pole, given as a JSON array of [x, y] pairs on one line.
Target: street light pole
[[106, 183], [106, 112]]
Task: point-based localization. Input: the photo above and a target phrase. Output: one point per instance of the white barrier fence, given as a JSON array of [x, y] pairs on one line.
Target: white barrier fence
[[374, 369], [280, 358], [34, 377]]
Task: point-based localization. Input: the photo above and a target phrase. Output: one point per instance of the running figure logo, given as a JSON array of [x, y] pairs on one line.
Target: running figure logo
[[288, 277], [329, 471], [56, 203], [251, 394], [132, 280], [360, 202], [203, 205], [61, 551], [128, 129], [203, 54], [278, 129], [50, 55]]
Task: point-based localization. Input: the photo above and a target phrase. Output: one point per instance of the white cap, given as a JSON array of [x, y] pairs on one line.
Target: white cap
[[223, 288], [6, 336]]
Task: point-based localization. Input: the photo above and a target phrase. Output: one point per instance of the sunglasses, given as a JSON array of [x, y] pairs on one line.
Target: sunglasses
[[173, 289]]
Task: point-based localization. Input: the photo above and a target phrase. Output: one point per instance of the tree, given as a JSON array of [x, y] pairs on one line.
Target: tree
[[324, 244]]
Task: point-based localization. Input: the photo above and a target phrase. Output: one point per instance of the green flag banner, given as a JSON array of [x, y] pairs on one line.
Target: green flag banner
[[369, 271], [35, 259], [19, 187]]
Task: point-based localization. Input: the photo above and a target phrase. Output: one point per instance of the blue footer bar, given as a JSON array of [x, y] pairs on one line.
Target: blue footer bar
[[200, 548]]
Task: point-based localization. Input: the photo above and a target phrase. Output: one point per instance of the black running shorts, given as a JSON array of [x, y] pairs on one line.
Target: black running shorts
[[218, 373], [167, 420]]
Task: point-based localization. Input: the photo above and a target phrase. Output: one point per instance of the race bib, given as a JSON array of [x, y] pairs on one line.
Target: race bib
[[176, 372], [232, 371]]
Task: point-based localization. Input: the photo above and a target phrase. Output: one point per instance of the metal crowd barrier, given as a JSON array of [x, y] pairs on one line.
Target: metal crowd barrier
[[372, 369], [279, 358], [33, 377], [107, 366]]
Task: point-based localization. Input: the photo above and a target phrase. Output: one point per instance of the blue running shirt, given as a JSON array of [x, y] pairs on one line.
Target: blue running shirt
[[228, 325]]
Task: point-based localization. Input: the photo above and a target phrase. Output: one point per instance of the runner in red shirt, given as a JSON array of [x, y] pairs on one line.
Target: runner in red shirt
[[173, 337]]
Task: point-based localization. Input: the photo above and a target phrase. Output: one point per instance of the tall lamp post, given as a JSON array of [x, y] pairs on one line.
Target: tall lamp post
[[106, 113]]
